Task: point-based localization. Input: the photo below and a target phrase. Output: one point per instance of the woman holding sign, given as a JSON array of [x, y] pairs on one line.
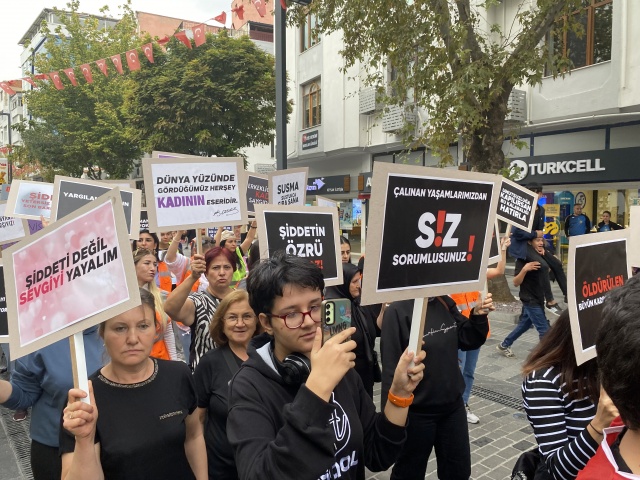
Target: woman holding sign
[[141, 420]]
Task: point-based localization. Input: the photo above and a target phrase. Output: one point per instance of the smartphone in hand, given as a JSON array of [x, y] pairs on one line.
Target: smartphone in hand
[[336, 317]]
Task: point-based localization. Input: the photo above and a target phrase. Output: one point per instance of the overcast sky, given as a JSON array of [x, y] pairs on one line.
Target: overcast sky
[[17, 17]]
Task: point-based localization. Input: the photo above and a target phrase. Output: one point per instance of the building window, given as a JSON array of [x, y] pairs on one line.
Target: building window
[[311, 104], [308, 34], [594, 45]]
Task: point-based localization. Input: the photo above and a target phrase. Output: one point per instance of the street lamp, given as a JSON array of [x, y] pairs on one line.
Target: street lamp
[[280, 27], [9, 166]]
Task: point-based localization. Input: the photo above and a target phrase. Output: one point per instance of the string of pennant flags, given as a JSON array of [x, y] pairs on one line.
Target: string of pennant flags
[[131, 56]]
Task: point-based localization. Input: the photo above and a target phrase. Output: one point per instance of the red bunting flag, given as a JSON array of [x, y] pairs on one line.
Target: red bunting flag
[[102, 65], [198, 35], [71, 76], [182, 36], [30, 81], [86, 71], [222, 18], [164, 41], [117, 62], [57, 81], [132, 60], [260, 7], [239, 10], [42, 76], [148, 51], [8, 90]]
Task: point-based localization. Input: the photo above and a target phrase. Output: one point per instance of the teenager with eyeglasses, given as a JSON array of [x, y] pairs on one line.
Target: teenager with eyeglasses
[[297, 409]]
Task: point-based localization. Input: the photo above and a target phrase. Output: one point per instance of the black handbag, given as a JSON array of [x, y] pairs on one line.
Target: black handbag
[[530, 466]]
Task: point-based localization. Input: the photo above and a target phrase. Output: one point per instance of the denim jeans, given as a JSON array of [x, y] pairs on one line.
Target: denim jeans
[[468, 361], [448, 433], [531, 315]]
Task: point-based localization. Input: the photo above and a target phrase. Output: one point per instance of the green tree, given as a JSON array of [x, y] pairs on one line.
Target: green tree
[[212, 100], [81, 127]]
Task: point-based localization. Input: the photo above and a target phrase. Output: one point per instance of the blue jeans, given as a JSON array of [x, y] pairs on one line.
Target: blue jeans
[[531, 315], [468, 361]]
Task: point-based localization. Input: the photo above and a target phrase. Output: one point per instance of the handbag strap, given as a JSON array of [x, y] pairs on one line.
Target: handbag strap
[[231, 362]]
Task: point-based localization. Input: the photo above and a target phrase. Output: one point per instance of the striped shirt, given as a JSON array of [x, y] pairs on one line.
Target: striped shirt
[[559, 424]]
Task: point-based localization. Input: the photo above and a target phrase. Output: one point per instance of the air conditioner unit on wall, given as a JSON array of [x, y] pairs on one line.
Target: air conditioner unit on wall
[[396, 117], [368, 101], [517, 105]]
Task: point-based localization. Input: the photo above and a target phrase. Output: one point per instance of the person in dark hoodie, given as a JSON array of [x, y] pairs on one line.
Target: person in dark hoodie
[[437, 417], [297, 409]]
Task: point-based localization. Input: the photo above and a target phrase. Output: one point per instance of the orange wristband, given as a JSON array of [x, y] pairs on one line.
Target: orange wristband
[[400, 401]]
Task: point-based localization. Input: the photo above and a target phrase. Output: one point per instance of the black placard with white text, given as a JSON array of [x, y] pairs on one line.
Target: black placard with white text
[[144, 220], [432, 233], [308, 232], [598, 263], [257, 191], [516, 205], [4, 328]]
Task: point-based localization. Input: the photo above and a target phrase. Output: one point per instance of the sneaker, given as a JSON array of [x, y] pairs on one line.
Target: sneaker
[[20, 415], [506, 351], [554, 309], [471, 418]]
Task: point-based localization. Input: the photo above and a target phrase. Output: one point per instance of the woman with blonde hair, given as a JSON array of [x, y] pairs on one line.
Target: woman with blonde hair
[[233, 326], [146, 265]]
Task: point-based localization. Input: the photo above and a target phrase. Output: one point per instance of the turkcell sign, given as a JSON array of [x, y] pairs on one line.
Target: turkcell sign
[[580, 167]]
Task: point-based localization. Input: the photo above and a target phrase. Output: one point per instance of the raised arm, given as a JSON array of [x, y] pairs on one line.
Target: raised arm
[[178, 306], [251, 235]]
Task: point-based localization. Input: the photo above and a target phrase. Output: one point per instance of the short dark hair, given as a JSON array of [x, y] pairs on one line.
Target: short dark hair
[[219, 252], [607, 212], [617, 345], [534, 187], [344, 240], [267, 279], [254, 255]]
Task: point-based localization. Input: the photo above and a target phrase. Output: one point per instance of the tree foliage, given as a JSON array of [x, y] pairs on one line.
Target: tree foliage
[[450, 60], [82, 127], [212, 100]]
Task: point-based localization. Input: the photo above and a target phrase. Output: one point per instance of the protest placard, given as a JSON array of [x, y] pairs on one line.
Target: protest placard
[[634, 233], [158, 154], [257, 191], [11, 229], [431, 234], [30, 199], [121, 183], [288, 187], [309, 232], [69, 194], [325, 202], [516, 205], [73, 274], [597, 264], [194, 192], [4, 327], [144, 219]]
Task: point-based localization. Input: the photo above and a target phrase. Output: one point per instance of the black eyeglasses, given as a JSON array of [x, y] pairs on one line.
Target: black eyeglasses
[[293, 320]]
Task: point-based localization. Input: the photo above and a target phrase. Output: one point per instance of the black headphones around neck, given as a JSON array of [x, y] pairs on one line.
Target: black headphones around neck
[[294, 369]]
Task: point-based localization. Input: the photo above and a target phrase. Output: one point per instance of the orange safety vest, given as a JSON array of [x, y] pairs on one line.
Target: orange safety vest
[[159, 349], [466, 302], [164, 277]]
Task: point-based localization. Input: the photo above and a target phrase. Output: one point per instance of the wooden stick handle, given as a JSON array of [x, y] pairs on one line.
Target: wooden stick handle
[[79, 364], [417, 324], [199, 241]]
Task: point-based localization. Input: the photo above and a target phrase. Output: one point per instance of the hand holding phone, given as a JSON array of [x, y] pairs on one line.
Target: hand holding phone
[[336, 317]]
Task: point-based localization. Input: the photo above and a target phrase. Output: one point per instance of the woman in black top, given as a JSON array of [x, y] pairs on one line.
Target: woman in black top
[[141, 422], [232, 327], [363, 319]]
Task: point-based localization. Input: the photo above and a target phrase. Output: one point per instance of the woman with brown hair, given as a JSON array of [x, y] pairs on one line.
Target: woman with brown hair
[[564, 402], [232, 327]]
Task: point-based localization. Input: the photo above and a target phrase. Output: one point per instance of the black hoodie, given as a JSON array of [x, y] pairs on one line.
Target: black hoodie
[[285, 432], [445, 330]]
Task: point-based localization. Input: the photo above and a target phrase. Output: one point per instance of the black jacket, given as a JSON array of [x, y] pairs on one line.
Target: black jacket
[[445, 331], [285, 432]]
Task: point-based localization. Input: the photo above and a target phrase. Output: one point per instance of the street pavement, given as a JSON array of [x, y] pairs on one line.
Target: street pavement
[[496, 442]]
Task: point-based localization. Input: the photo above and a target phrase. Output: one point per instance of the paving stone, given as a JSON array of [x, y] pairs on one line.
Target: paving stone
[[481, 442], [523, 445]]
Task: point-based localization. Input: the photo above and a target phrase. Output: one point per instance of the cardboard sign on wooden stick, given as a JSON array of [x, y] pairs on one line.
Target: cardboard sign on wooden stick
[[597, 264], [325, 202], [516, 205], [257, 191], [4, 324], [634, 232], [11, 229], [70, 276], [69, 194], [288, 187], [30, 200], [431, 235], [309, 232], [194, 192]]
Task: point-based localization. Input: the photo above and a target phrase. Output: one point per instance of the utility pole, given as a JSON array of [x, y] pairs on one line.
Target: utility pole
[[280, 25]]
